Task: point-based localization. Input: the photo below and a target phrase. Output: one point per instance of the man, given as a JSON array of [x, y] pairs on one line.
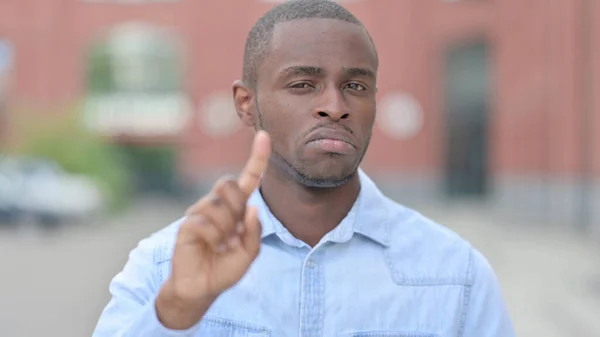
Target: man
[[319, 251]]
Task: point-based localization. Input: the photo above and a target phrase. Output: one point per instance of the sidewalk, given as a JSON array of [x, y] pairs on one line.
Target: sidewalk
[[550, 277]]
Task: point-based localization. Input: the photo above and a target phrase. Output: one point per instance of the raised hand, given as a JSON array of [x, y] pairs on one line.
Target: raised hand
[[216, 244]]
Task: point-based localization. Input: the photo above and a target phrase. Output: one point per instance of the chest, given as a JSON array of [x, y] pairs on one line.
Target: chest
[[310, 296]]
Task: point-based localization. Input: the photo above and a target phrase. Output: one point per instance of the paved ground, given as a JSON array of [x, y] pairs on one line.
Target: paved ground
[[56, 285], [550, 278]]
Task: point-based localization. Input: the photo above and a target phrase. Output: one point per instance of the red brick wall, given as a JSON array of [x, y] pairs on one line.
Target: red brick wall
[[596, 83], [537, 70]]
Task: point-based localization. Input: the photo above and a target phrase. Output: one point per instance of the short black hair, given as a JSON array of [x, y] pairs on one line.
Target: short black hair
[[259, 37]]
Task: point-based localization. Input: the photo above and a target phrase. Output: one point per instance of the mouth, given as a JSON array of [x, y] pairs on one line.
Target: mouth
[[332, 141]]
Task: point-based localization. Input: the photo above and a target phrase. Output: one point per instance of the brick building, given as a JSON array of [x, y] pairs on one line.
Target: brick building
[[483, 98]]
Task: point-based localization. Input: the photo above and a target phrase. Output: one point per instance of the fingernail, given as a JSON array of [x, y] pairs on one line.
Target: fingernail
[[240, 228], [234, 242]]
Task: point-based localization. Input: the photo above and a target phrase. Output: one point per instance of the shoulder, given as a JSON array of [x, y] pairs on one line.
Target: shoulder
[[159, 245], [422, 251]]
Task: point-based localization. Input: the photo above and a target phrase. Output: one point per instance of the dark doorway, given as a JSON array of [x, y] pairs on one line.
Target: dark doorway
[[466, 88]]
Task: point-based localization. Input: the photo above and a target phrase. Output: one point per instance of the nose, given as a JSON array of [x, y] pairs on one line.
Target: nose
[[332, 106]]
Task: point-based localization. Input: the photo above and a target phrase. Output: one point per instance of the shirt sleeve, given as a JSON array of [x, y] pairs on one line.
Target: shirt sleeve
[[131, 311], [486, 314]]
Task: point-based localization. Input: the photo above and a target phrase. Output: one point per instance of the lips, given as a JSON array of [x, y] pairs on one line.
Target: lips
[[331, 141], [331, 135]]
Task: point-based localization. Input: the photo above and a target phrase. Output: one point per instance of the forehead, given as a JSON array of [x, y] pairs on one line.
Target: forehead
[[326, 43]]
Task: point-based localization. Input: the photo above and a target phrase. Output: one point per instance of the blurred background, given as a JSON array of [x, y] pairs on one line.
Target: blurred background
[[115, 115]]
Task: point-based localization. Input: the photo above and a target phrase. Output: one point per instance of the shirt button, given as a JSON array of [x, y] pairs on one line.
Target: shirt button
[[311, 263]]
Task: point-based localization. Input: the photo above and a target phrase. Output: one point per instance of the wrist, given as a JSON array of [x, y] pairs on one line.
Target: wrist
[[178, 313]]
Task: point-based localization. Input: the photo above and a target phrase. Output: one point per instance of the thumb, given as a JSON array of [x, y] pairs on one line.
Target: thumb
[[251, 238]]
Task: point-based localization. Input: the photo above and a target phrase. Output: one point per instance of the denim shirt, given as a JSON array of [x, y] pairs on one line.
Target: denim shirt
[[385, 270]]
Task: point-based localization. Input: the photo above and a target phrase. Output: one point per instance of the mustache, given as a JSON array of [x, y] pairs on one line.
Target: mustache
[[330, 125]]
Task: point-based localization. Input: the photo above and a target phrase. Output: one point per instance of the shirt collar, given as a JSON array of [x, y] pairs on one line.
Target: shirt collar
[[373, 220], [368, 216]]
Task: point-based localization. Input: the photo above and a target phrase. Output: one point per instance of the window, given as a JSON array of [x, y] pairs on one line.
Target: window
[[134, 83], [6, 64], [6, 61], [467, 94]]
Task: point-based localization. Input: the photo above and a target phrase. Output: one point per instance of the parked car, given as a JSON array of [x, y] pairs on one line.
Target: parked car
[[8, 208], [41, 189]]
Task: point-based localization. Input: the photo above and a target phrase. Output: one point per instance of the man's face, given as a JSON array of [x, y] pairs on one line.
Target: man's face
[[315, 96]]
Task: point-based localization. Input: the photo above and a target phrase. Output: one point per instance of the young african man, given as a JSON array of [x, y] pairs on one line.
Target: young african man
[[303, 243]]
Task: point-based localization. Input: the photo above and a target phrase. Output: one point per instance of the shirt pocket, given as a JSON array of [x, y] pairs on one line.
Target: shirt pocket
[[218, 327], [391, 334]]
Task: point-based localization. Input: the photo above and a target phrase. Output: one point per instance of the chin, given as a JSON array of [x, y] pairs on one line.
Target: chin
[[322, 180], [317, 173]]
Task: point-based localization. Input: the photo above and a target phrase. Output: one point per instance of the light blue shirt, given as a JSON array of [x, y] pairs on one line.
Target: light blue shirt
[[386, 270]]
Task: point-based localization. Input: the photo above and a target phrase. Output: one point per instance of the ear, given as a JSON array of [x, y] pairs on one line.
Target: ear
[[244, 105]]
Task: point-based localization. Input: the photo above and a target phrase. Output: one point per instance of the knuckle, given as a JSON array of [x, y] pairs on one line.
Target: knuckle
[[236, 209], [238, 196], [201, 229], [190, 220], [229, 178], [215, 200], [255, 174], [190, 226], [235, 199], [239, 208], [219, 185], [194, 221], [231, 186], [225, 182]]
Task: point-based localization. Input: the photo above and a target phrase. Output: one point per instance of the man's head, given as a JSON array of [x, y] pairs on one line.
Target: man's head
[[310, 81]]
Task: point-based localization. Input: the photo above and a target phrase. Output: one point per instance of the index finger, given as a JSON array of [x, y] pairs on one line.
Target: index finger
[[257, 163]]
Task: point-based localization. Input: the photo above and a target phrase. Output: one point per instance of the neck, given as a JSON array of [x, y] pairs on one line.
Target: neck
[[308, 213]]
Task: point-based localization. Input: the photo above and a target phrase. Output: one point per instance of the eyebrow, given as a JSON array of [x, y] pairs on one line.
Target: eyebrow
[[304, 70], [360, 72], [317, 71]]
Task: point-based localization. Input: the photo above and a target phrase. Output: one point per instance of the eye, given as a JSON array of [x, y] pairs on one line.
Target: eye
[[356, 86], [300, 85]]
